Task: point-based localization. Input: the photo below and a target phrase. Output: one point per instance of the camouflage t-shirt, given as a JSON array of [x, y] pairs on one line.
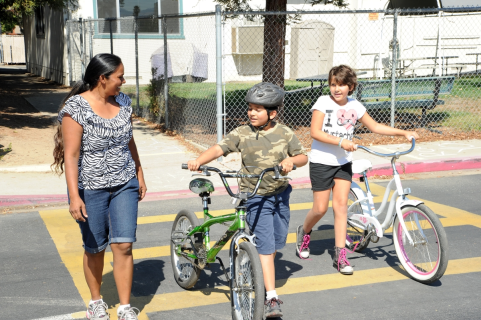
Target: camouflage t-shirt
[[265, 151]]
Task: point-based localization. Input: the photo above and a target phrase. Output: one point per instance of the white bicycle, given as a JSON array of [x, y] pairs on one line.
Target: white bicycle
[[419, 237]]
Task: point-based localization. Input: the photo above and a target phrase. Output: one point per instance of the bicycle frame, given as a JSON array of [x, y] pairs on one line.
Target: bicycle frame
[[398, 200], [238, 225], [236, 230]]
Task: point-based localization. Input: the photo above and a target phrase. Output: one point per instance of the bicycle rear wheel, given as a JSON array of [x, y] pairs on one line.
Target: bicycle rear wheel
[[186, 273], [247, 287], [355, 234], [426, 259]]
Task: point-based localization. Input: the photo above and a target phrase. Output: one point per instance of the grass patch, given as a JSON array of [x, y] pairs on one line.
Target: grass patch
[[467, 88], [460, 120], [4, 151], [461, 114]]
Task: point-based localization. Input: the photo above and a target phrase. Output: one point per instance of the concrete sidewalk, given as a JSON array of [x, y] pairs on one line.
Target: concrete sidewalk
[[162, 156]]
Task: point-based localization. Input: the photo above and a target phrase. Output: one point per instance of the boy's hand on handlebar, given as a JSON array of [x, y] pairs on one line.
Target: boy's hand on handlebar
[[409, 134], [193, 165], [348, 145], [286, 165]]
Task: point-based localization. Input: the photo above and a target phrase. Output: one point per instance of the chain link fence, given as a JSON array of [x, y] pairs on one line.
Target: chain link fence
[[416, 68]]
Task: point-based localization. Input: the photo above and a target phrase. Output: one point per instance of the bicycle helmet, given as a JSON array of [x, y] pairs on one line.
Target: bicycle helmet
[[265, 94]]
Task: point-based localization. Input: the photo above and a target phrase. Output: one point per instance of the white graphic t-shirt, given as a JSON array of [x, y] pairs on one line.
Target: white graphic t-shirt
[[339, 122]]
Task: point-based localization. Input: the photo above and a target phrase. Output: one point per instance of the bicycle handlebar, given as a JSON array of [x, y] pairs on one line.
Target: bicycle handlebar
[[228, 174], [396, 154]]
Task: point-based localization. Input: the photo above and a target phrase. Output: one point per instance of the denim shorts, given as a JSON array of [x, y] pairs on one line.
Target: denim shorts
[[112, 216], [268, 218]]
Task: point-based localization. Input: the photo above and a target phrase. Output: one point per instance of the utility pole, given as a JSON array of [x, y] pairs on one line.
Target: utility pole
[[1, 43]]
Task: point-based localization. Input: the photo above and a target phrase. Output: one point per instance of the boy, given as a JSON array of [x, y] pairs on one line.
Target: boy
[[264, 144]]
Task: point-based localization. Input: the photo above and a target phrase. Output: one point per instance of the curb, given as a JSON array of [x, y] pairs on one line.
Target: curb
[[31, 200], [377, 170], [29, 168], [425, 166]]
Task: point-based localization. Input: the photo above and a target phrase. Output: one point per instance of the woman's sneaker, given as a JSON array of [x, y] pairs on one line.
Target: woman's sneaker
[[340, 261], [129, 314], [272, 308], [302, 244], [98, 310]]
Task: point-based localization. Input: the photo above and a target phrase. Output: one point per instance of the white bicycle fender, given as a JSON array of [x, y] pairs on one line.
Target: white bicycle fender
[[408, 202], [360, 195], [366, 220]]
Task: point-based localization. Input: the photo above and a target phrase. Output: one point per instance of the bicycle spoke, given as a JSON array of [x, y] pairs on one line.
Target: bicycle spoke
[[245, 285], [183, 264], [425, 245]]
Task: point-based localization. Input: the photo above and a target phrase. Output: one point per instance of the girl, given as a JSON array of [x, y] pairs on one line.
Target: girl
[[332, 127], [105, 180]]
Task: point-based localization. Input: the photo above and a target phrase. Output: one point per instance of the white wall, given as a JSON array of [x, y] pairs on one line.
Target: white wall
[[46, 55], [13, 48], [358, 40]]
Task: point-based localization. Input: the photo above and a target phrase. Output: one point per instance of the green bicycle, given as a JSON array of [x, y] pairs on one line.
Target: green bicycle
[[191, 250]]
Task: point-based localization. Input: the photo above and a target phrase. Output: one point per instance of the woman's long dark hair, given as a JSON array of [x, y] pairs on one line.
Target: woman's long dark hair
[[102, 64]]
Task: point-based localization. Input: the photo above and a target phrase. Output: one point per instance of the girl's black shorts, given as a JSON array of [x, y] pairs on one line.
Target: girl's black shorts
[[322, 175]]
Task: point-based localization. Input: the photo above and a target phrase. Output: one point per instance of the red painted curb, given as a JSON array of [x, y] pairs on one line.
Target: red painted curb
[[26, 200], [379, 170], [426, 166]]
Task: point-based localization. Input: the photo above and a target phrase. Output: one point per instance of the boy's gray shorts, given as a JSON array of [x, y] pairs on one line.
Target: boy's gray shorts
[[268, 218]]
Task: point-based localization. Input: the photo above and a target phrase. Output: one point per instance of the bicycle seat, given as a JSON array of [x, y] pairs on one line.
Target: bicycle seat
[[359, 166], [200, 185]]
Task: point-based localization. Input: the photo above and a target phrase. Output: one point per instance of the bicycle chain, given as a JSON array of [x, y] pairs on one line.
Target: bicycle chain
[[201, 256]]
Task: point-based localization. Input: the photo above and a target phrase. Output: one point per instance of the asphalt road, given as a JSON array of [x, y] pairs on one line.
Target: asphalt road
[[41, 275]]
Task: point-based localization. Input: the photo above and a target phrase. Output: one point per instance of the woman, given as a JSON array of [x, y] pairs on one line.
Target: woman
[[104, 177]]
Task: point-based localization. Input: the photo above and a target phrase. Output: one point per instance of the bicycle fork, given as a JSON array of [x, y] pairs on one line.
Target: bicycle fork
[[234, 247]]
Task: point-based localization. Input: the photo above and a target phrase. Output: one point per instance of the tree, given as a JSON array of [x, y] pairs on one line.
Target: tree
[[273, 61], [12, 11]]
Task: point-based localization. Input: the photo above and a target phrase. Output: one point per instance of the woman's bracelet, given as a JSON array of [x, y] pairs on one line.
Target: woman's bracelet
[[340, 142]]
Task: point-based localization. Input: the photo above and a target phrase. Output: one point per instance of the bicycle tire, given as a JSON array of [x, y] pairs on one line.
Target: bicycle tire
[[426, 260], [248, 301], [355, 234], [185, 273]]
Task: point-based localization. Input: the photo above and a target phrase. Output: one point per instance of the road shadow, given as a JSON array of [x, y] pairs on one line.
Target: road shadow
[[319, 247], [213, 276], [284, 269], [148, 276], [379, 253], [15, 111]]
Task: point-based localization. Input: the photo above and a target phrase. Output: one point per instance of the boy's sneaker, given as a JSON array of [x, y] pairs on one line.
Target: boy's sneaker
[[272, 308], [98, 311], [302, 244], [341, 262], [129, 314]]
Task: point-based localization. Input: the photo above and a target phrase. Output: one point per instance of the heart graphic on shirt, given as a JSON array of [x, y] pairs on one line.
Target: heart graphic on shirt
[[347, 119]]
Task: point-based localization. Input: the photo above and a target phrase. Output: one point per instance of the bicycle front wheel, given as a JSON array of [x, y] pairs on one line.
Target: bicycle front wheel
[[247, 287], [186, 273], [426, 259], [355, 234]]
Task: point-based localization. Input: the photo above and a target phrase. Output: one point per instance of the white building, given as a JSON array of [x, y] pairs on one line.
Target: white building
[[313, 44]]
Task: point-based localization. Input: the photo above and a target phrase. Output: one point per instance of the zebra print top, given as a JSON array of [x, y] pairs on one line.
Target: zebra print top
[[105, 160]]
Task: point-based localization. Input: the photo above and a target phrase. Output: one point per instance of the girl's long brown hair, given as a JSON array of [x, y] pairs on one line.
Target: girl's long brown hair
[[102, 64]]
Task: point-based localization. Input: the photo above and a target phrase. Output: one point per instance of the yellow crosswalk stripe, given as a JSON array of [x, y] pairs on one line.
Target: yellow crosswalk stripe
[[215, 213], [65, 234], [189, 299], [221, 294]]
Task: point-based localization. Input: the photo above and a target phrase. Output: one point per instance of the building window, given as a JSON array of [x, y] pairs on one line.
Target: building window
[[40, 21], [140, 8]]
